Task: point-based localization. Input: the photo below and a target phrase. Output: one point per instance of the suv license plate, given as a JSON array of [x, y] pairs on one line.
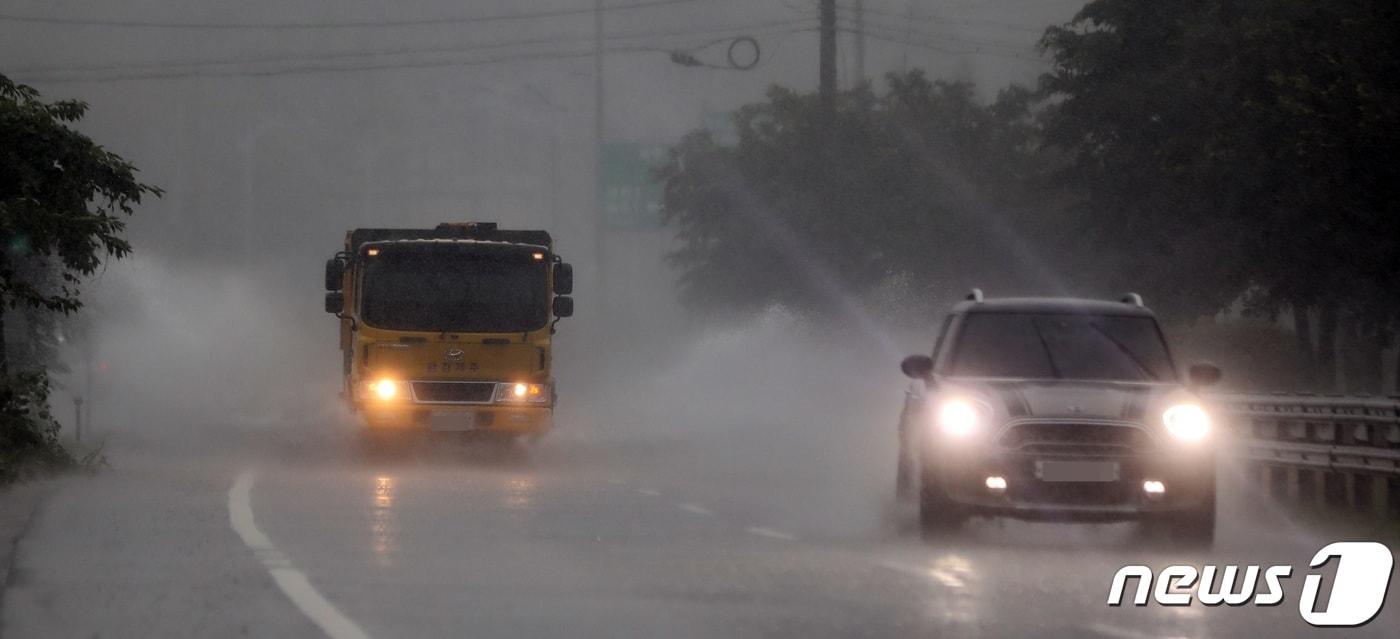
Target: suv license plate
[[1076, 471], [452, 421]]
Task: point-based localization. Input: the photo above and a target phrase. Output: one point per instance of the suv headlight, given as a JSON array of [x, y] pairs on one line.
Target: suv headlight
[[1188, 422], [522, 393], [958, 417]]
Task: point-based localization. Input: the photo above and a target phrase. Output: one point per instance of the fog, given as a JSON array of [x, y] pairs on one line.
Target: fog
[[271, 143]]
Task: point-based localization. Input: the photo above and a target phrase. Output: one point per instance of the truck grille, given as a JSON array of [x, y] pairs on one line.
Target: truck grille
[[1076, 439], [454, 392]]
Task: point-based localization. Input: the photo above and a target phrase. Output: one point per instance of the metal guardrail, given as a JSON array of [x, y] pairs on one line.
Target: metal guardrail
[[1342, 451], [1331, 433]]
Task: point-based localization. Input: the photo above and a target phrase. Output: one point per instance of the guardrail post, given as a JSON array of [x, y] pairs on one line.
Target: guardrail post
[[1334, 488], [1359, 492], [1305, 486], [1278, 482]]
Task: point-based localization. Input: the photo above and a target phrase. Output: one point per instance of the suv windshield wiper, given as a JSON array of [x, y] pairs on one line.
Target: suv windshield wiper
[[1049, 354], [1132, 357]]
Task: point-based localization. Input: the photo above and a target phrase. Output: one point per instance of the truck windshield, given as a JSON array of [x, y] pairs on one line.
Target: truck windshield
[[455, 287], [1061, 346]]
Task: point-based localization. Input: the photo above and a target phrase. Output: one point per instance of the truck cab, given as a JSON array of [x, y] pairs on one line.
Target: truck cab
[[449, 328]]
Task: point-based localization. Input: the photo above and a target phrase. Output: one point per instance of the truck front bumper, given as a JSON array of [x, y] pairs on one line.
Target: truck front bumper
[[523, 420]]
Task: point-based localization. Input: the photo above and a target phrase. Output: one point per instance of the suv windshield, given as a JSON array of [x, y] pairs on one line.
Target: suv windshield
[[1060, 346], [456, 286]]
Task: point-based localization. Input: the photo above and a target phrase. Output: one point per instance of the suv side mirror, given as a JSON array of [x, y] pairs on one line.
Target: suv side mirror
[[917, 366], [335, 272], [335, 302], [563, 306], [1203, 374], [563, 279]]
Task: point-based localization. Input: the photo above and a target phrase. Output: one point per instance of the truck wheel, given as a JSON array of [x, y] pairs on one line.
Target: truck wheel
[[938, 515]]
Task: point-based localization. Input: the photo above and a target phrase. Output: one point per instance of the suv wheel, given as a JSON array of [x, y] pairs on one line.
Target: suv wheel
[[937, 513], [1194, 528]]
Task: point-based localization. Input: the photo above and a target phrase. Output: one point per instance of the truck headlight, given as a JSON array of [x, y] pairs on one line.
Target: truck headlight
[[522, 392], [958, 417], [1187, 422], [385, 389]]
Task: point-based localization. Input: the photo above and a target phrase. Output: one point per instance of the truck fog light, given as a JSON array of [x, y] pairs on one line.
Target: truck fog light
[[996, 484], [1154, 488]]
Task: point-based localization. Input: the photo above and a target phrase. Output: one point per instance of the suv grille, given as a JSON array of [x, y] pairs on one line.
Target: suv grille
[[454, 392], [1076, 439]]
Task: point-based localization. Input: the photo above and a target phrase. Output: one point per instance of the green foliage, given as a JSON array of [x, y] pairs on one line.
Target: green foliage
[[1234, 146], [814, 207], [61, 195], [28, 433], [62, 202]]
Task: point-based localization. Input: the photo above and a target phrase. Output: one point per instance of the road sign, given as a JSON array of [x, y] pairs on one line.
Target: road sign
[[631, 196]]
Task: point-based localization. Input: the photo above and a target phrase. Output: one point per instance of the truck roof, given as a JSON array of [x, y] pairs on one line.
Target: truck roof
[[483, 231], [1051, 305]]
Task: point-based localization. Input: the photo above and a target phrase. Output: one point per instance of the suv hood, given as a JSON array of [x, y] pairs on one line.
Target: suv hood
[[1072, 399]]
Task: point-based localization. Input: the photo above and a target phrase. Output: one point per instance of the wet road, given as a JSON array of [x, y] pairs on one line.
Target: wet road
[[586, 537]]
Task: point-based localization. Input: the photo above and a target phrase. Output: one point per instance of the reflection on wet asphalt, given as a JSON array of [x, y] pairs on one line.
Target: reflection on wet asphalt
[[584, 538]]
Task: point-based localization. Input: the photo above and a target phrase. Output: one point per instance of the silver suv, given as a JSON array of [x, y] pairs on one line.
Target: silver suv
[[1050, 408]]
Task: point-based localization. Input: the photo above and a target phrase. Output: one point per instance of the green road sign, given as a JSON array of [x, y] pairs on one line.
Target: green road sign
[[631, 198]]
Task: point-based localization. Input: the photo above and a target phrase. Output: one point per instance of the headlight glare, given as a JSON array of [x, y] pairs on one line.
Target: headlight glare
[[385, 389], [1188, 422], [957, 417]]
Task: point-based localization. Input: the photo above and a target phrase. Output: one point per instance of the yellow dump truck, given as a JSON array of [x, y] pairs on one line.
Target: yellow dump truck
[[449, 328]]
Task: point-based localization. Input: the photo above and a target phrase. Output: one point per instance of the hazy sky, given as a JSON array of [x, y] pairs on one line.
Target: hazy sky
[[276, 126]]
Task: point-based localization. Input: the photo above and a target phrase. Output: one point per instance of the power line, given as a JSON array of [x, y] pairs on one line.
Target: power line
[[328, 64], [761, 28], [908, 31], [353, 24], [945, 20], [943, 49]]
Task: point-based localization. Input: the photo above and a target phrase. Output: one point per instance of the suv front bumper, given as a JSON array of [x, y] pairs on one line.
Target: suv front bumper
[[1189, 485]]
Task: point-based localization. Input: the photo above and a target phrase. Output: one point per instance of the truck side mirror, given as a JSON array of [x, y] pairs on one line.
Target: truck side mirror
[[917, 366], [563, 279], [1203, 374], [563, 306], [335, 302], [335, 272]]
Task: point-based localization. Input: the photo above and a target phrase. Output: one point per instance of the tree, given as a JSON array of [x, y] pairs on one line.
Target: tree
[[815, 207], [62, 198], [1236, 149]]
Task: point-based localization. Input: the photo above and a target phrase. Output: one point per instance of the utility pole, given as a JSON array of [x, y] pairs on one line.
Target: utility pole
[[860, 42], [78, 420], [827, 52], [599, 225]]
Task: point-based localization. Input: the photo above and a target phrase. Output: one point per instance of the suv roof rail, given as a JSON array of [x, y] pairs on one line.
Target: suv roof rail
[[974, 295], [1132, 298]]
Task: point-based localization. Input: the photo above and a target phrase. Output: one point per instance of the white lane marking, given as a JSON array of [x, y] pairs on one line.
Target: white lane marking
[[769, 532], [293, 582], [649, 492], [695, 508]]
